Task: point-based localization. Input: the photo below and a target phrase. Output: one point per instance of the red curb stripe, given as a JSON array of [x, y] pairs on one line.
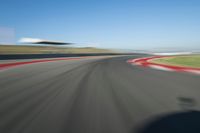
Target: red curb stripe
[[145, 63], [9, 65]]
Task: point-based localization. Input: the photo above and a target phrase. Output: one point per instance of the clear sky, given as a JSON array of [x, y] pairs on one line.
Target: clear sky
[[126, 24]]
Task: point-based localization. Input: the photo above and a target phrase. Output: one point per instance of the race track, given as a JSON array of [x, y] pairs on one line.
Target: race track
[[91, 95]]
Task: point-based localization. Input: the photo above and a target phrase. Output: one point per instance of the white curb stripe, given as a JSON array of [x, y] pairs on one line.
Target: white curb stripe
[[193, 71], [161, 68]]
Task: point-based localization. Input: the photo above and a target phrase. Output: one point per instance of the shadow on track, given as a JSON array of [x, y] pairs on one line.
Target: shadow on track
[[184, 122]]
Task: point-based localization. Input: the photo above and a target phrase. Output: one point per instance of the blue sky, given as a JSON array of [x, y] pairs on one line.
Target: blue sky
[[126, 24]]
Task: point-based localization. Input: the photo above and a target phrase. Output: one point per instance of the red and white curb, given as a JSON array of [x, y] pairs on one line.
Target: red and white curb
[[145, 62]]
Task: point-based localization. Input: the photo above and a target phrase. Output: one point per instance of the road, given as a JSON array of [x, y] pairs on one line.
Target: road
[[94, 95]]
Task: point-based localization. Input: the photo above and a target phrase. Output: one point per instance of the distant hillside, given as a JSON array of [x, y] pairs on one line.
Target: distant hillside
[[19, 49]]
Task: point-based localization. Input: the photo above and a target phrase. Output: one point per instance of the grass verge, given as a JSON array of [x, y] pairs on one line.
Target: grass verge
[[186, 61]]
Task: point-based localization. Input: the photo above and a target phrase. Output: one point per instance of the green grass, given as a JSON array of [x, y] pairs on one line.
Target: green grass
[[187, 60], [14, 49]]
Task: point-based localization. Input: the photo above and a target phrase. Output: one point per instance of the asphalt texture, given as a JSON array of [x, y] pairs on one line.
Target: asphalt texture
[[94, 95]]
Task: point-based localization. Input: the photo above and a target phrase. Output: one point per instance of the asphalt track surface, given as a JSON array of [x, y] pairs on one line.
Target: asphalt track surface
[[94, 95]]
